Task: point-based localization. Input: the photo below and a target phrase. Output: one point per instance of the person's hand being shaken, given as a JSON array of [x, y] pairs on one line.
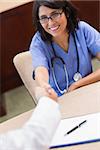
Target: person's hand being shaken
[[47, 90]]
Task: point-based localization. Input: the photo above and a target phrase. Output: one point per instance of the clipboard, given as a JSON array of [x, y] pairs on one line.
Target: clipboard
[[87, 133]]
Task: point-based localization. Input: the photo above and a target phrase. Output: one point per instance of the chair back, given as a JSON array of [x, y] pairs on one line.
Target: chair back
[[23, 64]]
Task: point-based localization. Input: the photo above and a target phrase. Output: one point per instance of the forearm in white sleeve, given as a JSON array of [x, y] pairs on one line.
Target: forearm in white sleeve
[[37, 132]]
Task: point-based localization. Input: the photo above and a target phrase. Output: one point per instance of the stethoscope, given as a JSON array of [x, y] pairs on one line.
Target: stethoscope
[[77, 76]]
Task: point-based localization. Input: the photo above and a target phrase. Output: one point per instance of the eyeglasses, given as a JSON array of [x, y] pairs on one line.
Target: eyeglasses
[[55, 16]]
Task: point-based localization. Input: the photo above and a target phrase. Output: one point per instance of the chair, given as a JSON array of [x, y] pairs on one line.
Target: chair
[[23, 64]]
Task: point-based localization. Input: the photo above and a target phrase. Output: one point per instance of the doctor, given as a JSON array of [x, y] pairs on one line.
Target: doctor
[[37, 133]]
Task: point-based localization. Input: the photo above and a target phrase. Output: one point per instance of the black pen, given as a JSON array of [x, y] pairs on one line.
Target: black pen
[[76, 127]]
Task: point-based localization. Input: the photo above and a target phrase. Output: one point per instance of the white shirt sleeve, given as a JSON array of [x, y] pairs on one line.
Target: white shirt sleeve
[[37, 133]]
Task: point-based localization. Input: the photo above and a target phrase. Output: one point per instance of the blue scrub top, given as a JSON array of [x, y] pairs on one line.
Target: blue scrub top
[[88, 44]]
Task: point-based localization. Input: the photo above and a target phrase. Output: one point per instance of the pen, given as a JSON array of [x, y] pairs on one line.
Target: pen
[[76, 127]]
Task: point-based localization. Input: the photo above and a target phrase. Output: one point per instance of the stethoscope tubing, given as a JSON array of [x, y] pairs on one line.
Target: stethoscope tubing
[[67, 81], [64, 66]]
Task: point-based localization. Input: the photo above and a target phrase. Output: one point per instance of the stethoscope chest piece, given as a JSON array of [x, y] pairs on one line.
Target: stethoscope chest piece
[[77, 76]]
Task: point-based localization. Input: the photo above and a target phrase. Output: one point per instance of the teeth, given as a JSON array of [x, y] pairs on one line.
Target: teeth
[[54, 28]]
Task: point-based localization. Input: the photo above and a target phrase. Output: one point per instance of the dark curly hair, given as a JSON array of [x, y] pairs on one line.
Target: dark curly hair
[[69, 10]]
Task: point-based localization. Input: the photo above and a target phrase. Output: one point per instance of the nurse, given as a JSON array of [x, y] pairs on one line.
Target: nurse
[[62, 48]]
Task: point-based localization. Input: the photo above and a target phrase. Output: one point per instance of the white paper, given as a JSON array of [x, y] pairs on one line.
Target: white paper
[[88, 132]]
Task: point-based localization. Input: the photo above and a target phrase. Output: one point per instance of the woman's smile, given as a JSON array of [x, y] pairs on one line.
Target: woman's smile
[[54, 29]]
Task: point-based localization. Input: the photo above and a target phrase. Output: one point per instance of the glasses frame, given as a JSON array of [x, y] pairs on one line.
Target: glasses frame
[[53, 17]]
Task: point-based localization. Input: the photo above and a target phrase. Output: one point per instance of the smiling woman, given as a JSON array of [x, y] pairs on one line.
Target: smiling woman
[[62, 48]]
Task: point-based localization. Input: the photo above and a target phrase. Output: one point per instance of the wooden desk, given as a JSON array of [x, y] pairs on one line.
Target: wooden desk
[[83, 101]]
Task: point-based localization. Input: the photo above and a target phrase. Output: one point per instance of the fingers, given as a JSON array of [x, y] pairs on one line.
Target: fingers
[[51, 93], [48, 89], [72, 87], [40, 92]]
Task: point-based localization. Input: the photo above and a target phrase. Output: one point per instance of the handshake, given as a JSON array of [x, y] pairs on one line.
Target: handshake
[[49, 92]]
